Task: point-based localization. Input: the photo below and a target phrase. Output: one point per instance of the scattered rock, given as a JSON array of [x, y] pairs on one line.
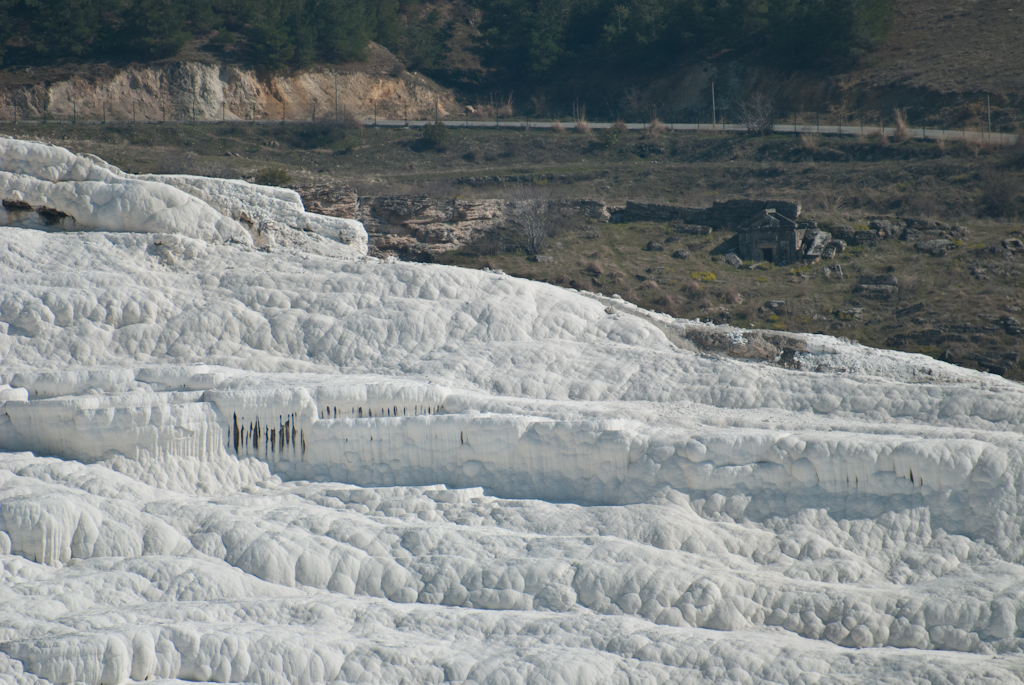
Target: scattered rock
[[849, 314], [884, 228], [780, 348], [775, 304], [1013, 244], [654, 247], [814, 243], [879, 287], [544, 258], [852, 236], [834, 271], [833, 248], [927, 225], [907, 311], [680, 254], [691, 229], [733, 259], [1011, 325], [910, 234], [937, 247]]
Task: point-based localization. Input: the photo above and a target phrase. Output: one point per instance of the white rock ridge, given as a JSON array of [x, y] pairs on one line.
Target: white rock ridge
[[221, 464], [49, 187]]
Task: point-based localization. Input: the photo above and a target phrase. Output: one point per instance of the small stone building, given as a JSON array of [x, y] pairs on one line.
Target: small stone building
[[771, 237]]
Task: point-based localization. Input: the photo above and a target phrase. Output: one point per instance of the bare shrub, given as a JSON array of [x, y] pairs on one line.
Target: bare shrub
[[830, 201], [1001, 193], [505, 108], [902, 132], [909, 283], [591, 266], [557, 127], [809, 141], [650, 284], [579, 114], [732, 297], [654, 129], [620, 126], [669, 304], [757, 113], [692, 289], [941, 143], [527, 213]]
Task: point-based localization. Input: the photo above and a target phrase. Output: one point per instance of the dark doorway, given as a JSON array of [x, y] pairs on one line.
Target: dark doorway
[[769, 255]]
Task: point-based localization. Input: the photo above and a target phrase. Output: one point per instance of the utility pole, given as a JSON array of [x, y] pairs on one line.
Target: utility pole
[[335, 97], [133, 111]]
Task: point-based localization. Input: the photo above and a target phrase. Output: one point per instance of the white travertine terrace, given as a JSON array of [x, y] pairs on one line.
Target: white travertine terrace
[[219, 463]]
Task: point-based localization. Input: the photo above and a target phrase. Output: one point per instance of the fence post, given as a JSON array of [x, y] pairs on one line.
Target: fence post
[[988, 102]]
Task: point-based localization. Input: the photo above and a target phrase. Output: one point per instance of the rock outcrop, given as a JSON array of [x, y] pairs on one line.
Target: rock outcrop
[[187, 91]]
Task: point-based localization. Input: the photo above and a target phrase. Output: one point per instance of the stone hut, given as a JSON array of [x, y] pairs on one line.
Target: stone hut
[[771, 237]]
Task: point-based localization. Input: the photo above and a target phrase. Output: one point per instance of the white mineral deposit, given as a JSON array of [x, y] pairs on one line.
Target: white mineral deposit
[[235, 448]]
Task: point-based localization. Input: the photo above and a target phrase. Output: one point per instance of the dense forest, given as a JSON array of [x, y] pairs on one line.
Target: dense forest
[[273, 34], [528, 39], [520, 41]]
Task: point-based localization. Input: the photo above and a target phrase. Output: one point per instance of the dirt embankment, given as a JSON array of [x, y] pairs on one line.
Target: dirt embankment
[[177, 91]]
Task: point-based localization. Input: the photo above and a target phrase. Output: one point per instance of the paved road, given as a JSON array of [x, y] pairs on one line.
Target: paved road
[[933, 133]]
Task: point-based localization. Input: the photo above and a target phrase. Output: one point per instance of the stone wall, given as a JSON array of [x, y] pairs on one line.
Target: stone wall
[[421, 227], [724, 215]]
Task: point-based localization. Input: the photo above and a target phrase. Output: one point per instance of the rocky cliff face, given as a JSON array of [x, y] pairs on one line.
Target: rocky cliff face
[[176, 91]]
